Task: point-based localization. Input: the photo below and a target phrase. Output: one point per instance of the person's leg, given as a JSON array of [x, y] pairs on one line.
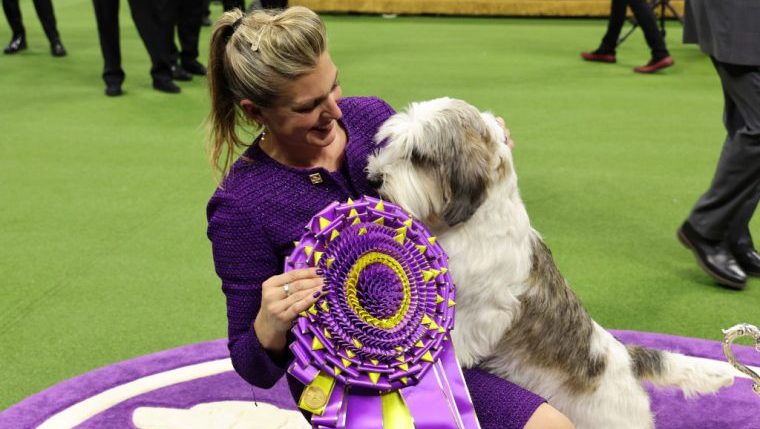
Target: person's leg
[[107, 16], [500, 404], [548, 417], [726, 205], [232, 4], [648, 23], [737, 176], [154, 35], [188, 31], [46, 14], [13, 15], [614, 26], [18, 37]]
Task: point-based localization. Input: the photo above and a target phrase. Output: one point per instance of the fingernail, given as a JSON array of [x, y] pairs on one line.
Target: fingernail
[[320, 271], [316, 294]]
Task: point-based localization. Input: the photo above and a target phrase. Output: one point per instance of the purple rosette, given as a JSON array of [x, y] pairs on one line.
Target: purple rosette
[[375, 350]]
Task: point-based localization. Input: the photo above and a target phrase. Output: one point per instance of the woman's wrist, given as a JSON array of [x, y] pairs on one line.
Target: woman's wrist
[[271, 340]]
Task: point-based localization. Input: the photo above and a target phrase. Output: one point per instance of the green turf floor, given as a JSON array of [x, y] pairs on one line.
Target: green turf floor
[[103, 254]]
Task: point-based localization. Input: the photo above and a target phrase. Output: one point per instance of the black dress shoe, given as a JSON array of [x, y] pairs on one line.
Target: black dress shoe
[[748, 259], [178, 73], [206, 21], [194, 67], [166, 86], [57, 49], [714, 258], [113, 89], [17, 43]]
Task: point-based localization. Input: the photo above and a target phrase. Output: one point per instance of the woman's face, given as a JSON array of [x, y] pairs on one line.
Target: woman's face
[[307, 113]]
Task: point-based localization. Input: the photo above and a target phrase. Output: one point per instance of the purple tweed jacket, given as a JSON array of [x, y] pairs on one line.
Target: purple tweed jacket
[[255, 216]]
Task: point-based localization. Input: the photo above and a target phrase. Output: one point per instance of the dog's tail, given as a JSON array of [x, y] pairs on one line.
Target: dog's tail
[[693, 375]]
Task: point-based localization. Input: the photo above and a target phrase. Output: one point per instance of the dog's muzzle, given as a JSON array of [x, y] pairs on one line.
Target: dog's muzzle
[[376, 181]]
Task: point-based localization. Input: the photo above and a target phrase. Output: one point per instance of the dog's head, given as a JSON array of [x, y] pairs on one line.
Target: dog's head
[[438, 160]]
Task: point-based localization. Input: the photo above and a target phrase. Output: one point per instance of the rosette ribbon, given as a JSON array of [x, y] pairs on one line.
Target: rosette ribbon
[[375, 351]]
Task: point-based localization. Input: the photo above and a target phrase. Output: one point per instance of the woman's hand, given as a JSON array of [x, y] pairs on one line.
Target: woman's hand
[[282, 297], [503, 126]]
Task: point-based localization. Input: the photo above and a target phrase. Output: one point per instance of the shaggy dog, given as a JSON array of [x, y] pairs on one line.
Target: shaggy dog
[[448, 165]]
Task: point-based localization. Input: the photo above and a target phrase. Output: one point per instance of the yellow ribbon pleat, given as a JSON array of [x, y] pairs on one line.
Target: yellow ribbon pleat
[[315, 396], [395, 413]]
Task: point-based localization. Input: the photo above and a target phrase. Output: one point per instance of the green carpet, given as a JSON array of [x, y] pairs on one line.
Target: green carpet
[[103, 254]]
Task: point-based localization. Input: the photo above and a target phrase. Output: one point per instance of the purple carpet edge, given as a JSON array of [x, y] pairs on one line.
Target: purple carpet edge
[[31, 411]]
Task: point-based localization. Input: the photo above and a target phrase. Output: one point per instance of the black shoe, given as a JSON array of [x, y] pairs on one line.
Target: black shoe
[[113, 89], [178, 73], [713, 258], [748, 259], [194, 67], [166, 86], [206, 21], [17, 43], [57, 49]]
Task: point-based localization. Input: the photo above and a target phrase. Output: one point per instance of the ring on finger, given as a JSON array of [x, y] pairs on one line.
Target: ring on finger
[[286, 289]]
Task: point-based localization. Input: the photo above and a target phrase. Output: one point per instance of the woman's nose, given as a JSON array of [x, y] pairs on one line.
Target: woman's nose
[[332, 107]]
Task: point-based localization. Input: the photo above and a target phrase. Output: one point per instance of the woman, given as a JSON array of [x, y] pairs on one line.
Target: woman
[[272, 69]]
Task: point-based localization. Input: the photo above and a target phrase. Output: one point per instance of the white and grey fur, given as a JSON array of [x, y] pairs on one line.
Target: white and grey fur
[[447, 163]]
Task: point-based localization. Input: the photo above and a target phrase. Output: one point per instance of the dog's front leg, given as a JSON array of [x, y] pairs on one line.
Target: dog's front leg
[[481, 324]]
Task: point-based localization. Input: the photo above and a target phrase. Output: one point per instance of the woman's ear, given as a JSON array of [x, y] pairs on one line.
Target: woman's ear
[[252, 111]]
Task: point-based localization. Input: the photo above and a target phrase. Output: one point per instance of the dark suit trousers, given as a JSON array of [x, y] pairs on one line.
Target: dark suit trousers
[[107, 16], [232, 4], [45, 13], [149, 28], [187, 15], [646, 20], [725, 210]]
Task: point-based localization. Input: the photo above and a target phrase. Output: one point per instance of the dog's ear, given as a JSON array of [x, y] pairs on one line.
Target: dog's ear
[[468, 180]]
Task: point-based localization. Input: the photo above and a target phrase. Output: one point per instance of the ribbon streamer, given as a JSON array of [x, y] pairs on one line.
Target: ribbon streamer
[[375, 350]]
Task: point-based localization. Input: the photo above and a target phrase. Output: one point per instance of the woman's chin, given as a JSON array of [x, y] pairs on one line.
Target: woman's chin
[[323, 138]]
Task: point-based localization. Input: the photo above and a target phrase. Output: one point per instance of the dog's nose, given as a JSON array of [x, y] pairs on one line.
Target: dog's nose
[[376, 181]]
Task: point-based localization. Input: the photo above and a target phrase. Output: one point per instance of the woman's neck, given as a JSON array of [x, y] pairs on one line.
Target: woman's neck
[[329, 157]]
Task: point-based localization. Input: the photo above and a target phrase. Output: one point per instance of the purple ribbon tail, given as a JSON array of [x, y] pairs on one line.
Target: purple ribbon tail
[[364, 411], [440, 400]]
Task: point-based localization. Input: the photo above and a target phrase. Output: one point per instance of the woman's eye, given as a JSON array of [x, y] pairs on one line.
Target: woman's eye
[[305, 109]]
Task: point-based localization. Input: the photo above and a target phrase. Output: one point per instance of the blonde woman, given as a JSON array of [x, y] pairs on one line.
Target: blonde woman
[[272, 70]]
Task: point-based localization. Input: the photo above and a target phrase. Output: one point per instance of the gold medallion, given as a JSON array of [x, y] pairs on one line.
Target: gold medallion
[[314, 397]]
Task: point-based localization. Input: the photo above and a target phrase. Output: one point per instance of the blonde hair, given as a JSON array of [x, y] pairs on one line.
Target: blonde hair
[[255, 56]]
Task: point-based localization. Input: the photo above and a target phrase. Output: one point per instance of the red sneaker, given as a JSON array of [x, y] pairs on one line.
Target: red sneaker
[[654, 66], [601, 58]]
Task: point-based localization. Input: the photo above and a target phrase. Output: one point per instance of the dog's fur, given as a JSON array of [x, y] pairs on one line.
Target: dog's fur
[[448, 164]]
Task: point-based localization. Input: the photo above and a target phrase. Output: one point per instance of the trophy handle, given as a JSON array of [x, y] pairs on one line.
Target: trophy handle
[[729, 335]]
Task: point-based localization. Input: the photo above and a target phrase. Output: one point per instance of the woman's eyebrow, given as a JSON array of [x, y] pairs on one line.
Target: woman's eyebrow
[[320, 99]]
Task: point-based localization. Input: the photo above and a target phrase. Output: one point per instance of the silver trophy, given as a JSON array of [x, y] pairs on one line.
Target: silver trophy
[[729, 335]]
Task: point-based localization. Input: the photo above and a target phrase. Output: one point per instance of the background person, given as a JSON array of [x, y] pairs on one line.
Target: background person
[[187, 17], [273, 69], [605, 53], [717, 229], [150, 30], [45, 13]]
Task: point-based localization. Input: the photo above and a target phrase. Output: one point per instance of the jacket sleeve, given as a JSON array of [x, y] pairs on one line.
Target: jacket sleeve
[[244, 259]]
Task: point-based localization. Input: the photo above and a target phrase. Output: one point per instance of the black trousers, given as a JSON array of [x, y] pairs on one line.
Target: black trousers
[[647, 21], [45, 13], [186, 16], [232, 4], [725, 210], [148, 26]]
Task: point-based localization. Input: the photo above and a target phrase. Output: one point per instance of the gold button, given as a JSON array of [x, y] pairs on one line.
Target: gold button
[[314, 397], [315, 178]]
